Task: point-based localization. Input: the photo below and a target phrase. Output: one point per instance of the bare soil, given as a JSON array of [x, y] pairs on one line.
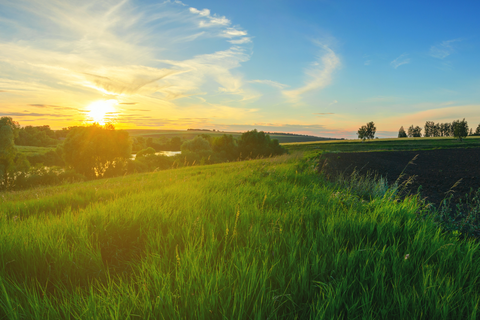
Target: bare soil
[[435, 171]]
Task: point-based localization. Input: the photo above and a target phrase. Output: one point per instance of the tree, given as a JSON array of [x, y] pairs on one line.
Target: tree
[[226, 147], [367, 131], [8, 151], [460, 129], [92, 150], [402, 133], [197, 145], [415, 132], [145, 152], [477, 131], [253, 144], [429, 129]]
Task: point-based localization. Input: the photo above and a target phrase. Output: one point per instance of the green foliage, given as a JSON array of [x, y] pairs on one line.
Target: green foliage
[[402, 133], [226, 147], [145, 152], [196, 145], [92, 150], [367, 131], [41, 136], [8, 152], [460, 129], [414, 132], [175, 144], [138, 143], [150, 162], [254, 144], [477, 131]]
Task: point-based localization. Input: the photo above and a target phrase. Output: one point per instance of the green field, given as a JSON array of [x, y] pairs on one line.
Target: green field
[[282, 138], [28, 150], [393, 144], [262, 239]]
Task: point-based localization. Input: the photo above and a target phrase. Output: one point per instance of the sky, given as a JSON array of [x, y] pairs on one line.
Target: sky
[[315, 67]]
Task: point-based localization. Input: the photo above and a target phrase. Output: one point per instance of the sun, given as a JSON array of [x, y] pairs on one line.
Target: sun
[[102, 111]]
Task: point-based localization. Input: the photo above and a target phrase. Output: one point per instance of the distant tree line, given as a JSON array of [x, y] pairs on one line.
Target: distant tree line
[[96, 151], [456, 128]]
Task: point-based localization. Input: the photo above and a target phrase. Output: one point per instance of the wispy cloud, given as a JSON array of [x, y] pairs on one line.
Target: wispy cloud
[[216, 66], [241, 40], [320, 73], [401, 60], [123, 50], [367, 63], [444, 49], [32, 114], [210, 20], [270, 83]]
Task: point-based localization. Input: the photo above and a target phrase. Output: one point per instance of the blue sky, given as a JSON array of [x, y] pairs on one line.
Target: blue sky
[[312, 67]]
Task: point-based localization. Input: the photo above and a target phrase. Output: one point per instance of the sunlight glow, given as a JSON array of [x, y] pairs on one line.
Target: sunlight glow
[[102, 111]]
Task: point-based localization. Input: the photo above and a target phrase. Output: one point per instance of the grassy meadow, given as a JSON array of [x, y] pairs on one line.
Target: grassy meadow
[[261, 239], [30, 150], [393, 144]]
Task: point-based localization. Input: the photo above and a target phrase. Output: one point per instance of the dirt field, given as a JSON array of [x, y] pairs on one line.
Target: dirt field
[[436, 171]]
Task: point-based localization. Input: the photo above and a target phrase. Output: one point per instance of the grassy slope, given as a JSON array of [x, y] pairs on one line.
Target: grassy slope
[[385, 144], [192, 134], [247, 240]]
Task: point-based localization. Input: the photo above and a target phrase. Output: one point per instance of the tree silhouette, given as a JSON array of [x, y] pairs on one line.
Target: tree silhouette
[[253, 144], [460, 129], [92, 150], [367, 131]]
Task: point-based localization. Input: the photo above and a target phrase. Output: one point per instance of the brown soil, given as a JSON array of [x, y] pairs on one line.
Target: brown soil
[[436, 171]]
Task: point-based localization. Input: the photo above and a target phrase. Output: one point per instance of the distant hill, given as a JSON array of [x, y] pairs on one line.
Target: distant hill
[[282, 137]]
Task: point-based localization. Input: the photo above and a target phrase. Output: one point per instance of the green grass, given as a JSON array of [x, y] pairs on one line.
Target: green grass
[[192, 134], [263, 239], [28, 150], [393, 144]]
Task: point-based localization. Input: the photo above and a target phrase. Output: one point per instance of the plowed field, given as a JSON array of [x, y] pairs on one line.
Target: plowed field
[[436, 171]]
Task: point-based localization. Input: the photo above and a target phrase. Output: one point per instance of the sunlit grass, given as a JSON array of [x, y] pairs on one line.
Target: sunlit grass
[[246, 240]]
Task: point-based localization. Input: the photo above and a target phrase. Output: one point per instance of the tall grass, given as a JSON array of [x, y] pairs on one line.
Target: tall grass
[[263, 239]]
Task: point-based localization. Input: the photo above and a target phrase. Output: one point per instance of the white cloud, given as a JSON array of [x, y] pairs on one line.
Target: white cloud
[[232, 32], [216, 66], [211, 20], [203, 13], [114, 48], [367, 63], [270, 83], [320, 73], [444, 49], [241, 40], [401, 60]]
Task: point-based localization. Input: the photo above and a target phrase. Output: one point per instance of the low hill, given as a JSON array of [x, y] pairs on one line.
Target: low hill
[[190, 134]]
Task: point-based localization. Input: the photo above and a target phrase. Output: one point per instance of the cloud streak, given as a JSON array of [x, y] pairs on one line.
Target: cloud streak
[[319, 73], [401, 60], [271, 83], [444, 49]]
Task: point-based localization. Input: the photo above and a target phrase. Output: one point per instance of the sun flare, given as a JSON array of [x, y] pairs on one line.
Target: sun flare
[[102, 111]]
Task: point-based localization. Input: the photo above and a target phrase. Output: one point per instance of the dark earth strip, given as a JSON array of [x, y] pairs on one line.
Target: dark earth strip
[[436, 171]]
